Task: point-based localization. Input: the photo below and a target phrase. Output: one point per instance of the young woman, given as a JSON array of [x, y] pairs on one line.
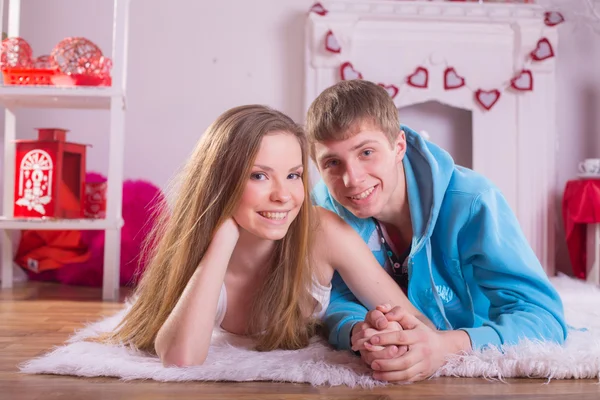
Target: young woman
[[241, 250]]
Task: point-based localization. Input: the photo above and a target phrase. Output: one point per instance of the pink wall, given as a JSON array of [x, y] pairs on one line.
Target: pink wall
[[190, 60]]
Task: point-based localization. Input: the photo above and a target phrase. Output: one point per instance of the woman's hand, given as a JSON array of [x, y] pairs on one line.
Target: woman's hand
[[228, 232]]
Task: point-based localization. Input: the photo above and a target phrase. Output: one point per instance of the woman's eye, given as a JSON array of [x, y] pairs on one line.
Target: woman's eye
[[258, 176], [295, 175]]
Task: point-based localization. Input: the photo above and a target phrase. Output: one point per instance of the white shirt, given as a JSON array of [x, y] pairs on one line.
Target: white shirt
[[321, 293]]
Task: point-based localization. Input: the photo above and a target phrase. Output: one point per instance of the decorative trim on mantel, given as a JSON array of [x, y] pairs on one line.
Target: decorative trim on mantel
[[495, 12]]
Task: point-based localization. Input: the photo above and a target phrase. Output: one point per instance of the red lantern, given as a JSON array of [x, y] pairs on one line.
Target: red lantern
[[49, 178]]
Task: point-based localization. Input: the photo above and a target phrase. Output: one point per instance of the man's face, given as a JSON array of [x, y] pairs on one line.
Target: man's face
[[362, 172]]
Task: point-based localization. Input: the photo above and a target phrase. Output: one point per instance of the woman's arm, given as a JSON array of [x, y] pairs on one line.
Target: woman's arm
[[184, 338], [339, 247]]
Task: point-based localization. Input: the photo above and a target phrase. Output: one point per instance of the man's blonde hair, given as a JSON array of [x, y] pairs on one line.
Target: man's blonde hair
[[333, 114]]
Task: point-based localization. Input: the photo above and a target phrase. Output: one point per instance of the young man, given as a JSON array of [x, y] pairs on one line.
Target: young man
[[444, 232]]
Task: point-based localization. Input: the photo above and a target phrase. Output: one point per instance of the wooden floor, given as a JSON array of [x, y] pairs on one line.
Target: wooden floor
[[36, 316]]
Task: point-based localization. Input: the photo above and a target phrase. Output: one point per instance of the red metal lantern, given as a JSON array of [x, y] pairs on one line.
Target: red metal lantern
[[49, 178]]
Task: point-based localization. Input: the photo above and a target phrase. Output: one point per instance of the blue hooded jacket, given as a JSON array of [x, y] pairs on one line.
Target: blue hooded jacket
[[470, 265]]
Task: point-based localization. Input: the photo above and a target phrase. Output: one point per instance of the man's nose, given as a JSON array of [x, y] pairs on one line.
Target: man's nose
[[353, 176]]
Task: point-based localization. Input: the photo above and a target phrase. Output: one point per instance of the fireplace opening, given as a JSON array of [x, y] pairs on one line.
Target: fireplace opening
[[449, 127]]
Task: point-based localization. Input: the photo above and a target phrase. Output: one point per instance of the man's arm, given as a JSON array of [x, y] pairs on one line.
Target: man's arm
[[343, 312], [523, 303]]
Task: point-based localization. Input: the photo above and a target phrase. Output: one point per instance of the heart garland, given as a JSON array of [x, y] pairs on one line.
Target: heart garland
[[318, 8], [347, 72], [487, 98], [331, 43], [553, 18], [419, 78], [452, 80], [391, 89], [523, 81], [542, 51]]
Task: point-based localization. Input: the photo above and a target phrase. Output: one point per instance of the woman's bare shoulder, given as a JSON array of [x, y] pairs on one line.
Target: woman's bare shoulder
[[328, 220]]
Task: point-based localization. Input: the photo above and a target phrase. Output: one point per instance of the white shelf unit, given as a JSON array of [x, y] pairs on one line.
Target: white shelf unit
[[111, 99]]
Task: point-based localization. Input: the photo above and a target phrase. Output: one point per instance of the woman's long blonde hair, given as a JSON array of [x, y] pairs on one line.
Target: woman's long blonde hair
[[210, 187]]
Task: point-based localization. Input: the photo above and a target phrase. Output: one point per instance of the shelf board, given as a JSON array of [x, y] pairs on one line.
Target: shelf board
[[57, 224], [57, 97]]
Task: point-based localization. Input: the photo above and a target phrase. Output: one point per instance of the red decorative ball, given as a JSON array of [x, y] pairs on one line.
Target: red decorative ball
[[105, 67], [16, 53], [76, 55]]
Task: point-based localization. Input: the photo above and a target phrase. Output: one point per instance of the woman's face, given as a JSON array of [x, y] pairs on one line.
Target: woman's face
[[274, 192]]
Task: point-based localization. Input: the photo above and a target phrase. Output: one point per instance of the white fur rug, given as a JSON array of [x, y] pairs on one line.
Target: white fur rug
[[230, 359]]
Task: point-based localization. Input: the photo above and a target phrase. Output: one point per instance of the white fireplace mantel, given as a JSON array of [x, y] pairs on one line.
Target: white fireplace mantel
[[485, 43]]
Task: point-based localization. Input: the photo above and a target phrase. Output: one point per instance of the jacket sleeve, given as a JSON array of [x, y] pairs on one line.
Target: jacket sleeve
[[523, 303], [343, 312]]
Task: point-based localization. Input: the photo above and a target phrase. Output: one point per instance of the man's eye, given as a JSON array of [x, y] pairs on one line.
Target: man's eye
[[331, 163]]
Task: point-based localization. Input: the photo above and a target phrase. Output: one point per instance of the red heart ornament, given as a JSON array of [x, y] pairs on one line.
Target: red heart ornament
[[419, 78], [543, 50], [553, 18], [348, 72], [452, 80], [391, 89], [487, 98], [318, 8], [331, 43], [523, 81]]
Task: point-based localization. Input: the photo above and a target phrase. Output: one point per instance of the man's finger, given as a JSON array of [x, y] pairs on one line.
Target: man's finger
[[401, 363], [398, 338], [403, 317], [387, 353], [413, 374], [376, 319]]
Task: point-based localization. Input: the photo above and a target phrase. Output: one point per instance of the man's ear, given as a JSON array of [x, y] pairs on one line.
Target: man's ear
[[400, 146]]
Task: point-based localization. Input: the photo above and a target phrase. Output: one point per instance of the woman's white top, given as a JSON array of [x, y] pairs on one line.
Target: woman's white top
[[322, 295]]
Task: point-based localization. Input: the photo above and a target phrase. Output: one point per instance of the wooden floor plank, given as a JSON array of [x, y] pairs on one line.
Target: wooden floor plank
[[36, 316]]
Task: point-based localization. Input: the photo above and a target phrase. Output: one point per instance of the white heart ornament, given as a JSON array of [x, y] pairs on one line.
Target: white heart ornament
[[331, 43], [419, 78], [392, 90], [543, 50], [452, 80], [348, 72], [553, 18], [487, 98], [318, 8], [523, 81]]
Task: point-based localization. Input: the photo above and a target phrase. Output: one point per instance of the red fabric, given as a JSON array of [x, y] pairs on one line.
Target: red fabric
[[580, 206], [47, 250]]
